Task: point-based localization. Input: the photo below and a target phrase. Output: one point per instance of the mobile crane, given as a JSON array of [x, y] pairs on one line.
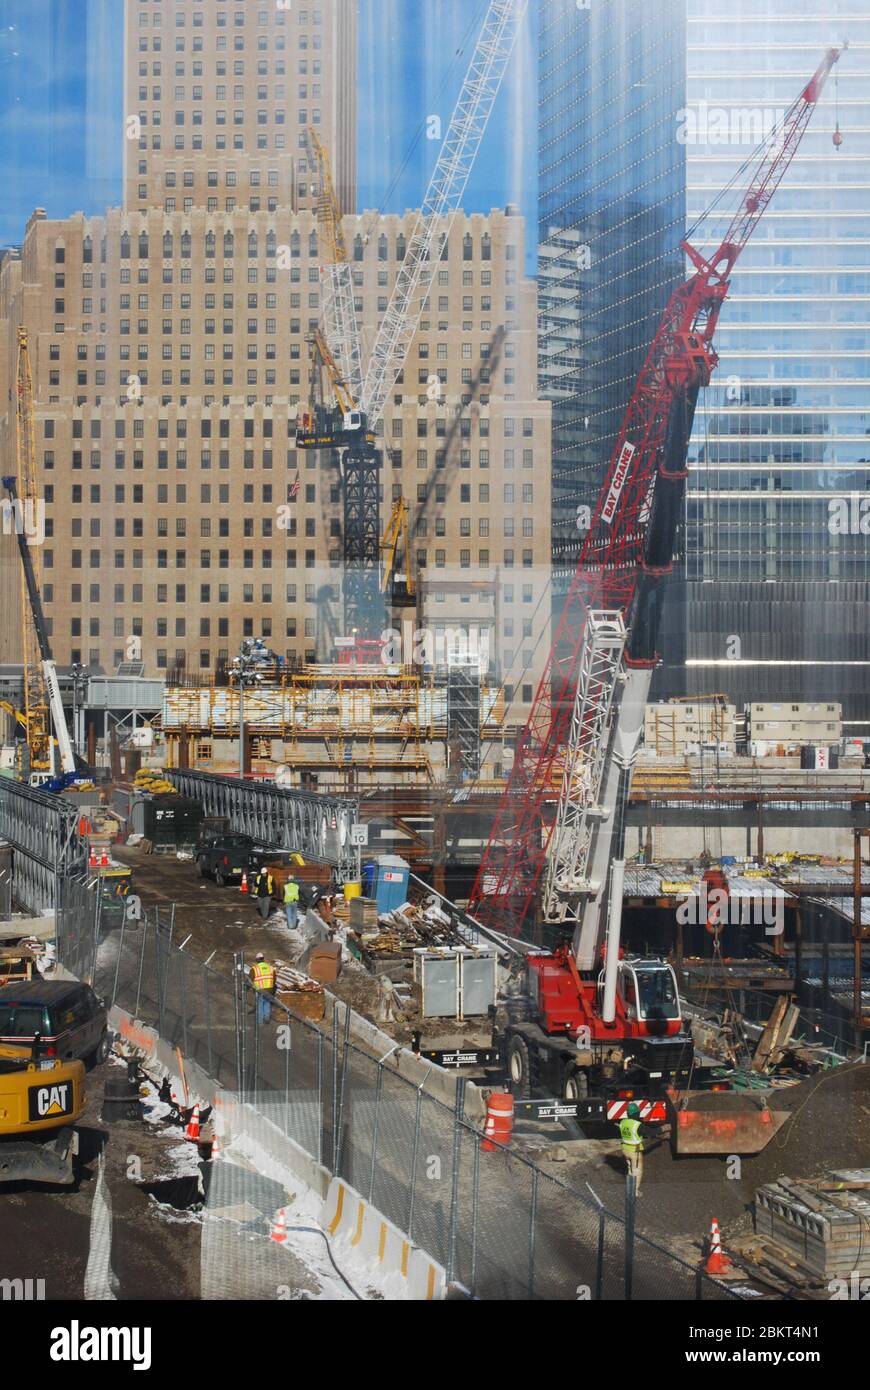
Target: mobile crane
[[48, 739], [587, 1012], [361, 394]]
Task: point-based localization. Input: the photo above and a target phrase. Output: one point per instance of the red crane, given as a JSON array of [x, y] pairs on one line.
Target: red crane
[[628, 551]]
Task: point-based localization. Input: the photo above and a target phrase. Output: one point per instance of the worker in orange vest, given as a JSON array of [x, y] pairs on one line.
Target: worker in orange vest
[[263, 976]]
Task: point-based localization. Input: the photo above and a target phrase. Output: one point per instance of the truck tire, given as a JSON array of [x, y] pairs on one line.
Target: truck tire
[[575, 1083], [101, 1052], [520, 1066]]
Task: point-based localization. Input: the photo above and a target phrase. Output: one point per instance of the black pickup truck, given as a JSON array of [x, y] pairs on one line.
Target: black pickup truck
[[225, 858]]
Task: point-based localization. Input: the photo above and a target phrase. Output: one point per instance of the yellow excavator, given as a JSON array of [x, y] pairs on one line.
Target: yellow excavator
[[41, 1098]]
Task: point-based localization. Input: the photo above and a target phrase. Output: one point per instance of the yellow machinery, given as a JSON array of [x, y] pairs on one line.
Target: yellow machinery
[[36, 705], [401, 588], [40, 1100]]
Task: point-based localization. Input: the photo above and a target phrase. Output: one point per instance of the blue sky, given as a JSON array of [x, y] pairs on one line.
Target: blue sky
[[61, 106]]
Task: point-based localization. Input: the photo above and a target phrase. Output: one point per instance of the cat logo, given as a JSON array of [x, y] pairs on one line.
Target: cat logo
[[51, 1102]]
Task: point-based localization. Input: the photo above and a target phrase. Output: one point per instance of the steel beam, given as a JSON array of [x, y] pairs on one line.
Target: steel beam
[[318, 826]]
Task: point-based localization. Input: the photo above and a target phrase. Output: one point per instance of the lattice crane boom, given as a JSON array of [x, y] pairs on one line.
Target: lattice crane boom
[[627, 555], [339, 314], [446, 187]]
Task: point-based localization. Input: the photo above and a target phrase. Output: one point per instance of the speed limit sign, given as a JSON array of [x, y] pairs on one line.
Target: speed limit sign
[[359, 834]]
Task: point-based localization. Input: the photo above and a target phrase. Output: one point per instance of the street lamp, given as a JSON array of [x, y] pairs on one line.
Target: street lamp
[[79, 675], [250, 656]]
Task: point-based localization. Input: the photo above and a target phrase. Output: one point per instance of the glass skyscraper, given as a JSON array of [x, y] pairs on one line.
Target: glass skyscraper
[[611, 214], [780, 457], [646, 113]]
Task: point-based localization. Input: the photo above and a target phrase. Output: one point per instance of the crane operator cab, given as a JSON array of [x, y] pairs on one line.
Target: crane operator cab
[[648, 992]]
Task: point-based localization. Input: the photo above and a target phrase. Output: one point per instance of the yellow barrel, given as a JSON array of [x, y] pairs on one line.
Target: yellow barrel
[[352, 890]]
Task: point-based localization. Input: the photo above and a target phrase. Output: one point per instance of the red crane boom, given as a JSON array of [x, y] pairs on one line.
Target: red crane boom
[[628, 551]]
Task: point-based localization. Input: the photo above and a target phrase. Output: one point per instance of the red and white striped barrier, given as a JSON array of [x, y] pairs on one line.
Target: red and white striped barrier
[[653, 1111]]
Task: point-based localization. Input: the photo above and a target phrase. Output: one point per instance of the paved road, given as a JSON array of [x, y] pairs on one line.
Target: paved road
[[46, 1232]]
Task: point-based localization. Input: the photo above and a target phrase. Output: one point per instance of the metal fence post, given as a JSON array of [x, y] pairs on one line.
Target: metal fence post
[[378, 1088], [475, 1195], [458, 1117], [344, 1062], [628, 1235], [255, 1060], [533, 1232], [238, 977], [183, 993], [414, 1155], [141, 962], [334, 1082], [118, 960], [599, 1270], [320, 1095], [289, 1040], [207, 1003], [97, 923]]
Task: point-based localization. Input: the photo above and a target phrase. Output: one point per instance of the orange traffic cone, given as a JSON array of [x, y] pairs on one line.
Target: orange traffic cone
[[243, 887], [279, 1228], [717, 1262], [92, 858], [215, 1149], [104, 859], [192, 1131]]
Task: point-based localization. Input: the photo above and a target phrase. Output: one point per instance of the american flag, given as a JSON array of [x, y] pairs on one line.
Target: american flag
[[295, 486]]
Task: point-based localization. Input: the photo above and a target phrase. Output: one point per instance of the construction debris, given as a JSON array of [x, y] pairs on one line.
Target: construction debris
[[386, 941], [778, 1030]]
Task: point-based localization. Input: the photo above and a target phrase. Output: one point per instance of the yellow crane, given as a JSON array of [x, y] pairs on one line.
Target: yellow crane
[[403, 593], [36, 703]]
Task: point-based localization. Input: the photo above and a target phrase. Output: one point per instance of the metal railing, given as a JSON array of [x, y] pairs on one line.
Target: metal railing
[[502, 1227]]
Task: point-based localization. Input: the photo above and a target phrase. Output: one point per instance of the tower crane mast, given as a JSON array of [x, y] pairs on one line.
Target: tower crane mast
[[368, 391]]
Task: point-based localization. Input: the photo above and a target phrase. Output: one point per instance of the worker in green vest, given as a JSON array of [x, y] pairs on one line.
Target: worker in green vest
[[291, 901], [632, 1144]]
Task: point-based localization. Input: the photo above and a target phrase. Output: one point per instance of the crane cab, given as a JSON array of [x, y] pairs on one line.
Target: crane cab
[[648, 995]]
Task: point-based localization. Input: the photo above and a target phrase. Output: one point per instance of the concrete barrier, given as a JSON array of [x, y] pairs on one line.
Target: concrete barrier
[[368, 1237]]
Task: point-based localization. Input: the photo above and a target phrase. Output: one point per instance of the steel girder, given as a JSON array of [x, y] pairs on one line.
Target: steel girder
[[42, 829], [315, 825]]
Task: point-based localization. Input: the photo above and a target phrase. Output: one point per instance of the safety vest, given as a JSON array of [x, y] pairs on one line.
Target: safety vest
[[291, 891], [264, 884], [629, 1134], [263, 975]]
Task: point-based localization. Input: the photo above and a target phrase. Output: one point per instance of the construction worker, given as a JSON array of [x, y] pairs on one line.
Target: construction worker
[[632, 1144], [263, 975], [263, 889], [291, 901]]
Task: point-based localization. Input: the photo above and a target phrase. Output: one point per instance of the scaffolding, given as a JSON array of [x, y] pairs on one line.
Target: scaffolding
[[348, 725]]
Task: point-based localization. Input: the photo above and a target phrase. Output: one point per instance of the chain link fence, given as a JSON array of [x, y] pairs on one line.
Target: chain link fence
[[501, 1226]]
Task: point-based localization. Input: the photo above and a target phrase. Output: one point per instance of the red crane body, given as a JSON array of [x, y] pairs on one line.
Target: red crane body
[[629, 548]]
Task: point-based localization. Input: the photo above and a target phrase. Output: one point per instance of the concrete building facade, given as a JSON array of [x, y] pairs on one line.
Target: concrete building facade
[[170, 355]]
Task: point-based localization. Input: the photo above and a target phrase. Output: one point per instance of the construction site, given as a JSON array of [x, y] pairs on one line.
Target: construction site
[[446, 928]]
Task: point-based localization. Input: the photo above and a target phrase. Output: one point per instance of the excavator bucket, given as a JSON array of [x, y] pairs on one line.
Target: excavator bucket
[[51, 1162], [723, 1122]]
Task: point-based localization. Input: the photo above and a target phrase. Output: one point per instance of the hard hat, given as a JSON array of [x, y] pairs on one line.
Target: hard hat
[[633, 1112], [260, 956]]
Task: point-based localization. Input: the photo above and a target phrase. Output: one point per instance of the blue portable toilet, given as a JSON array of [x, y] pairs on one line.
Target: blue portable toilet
[[368, 879], [391, 882]]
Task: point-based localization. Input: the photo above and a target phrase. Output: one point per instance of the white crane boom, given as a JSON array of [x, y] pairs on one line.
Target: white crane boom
[[441, 203]]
